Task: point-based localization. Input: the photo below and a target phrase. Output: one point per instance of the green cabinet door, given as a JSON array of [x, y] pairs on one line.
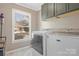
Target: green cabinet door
[[60, 8], [44, 11], [51, 10], [73, 6]]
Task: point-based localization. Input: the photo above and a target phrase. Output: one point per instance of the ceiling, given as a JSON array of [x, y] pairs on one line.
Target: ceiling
[[33, 6]]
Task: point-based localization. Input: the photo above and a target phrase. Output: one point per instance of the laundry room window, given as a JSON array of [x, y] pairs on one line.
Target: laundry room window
[[21, 22]]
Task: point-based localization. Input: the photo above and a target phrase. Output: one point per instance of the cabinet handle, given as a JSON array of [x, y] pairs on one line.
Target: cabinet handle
[[58, 40]]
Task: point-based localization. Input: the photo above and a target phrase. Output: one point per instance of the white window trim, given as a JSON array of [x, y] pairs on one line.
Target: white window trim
[[13, 26]]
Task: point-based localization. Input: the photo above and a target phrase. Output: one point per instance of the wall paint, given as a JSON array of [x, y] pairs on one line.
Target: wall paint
[[7, 10]]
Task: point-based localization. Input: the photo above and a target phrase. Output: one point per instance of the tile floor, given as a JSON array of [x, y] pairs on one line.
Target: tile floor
[[26, 51]]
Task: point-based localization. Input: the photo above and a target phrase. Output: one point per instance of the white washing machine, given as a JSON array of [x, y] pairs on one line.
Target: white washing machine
[[59, 44]]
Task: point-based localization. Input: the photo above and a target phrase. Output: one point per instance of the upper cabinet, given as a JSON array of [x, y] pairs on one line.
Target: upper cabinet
[[49, 10], [44, 11], [73, 6], [60, 8]]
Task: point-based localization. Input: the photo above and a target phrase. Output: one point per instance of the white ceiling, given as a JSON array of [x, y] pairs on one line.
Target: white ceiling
[[33, 6]]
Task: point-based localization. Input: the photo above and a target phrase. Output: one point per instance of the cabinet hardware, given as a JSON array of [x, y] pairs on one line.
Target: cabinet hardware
[[58, 40]]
